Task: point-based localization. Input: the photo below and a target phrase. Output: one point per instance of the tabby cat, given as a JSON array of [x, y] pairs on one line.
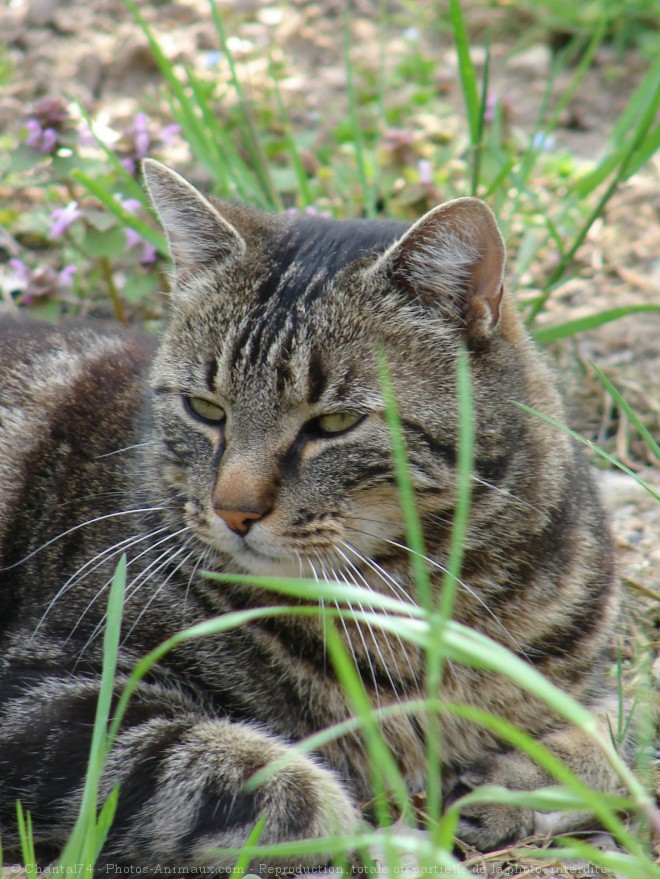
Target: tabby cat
[[253, 441]]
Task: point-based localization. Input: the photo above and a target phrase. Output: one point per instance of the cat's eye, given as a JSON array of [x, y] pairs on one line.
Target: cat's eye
[[206, 411], [338, 422]]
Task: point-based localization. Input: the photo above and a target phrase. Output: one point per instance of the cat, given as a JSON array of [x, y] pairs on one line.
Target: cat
[[252, 440]]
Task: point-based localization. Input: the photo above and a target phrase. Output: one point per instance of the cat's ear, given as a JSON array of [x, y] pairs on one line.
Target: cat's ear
[[453, 259], [198, 236]]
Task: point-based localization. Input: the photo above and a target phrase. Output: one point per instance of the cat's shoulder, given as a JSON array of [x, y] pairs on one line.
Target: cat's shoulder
[[43, 362], [29, 343]]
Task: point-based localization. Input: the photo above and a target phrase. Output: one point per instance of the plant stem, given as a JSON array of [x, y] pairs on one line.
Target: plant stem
[[115, 298]]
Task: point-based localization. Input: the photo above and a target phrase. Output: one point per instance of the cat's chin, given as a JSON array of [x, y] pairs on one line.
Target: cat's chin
[[265, 565]]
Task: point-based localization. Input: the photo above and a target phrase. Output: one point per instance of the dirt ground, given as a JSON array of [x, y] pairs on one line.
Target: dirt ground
[[95, 53]]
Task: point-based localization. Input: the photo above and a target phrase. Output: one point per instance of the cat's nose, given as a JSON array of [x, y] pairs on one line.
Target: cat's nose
[[240, 521]]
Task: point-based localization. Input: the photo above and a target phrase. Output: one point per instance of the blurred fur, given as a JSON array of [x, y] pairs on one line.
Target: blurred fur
[[279, 320]]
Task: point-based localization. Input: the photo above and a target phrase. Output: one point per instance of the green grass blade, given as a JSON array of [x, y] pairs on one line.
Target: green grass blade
[[605, 861], [252, 139], [464, 461], [243, 861], [304, 189], [24, 821], [627, 408], [435, 654], [356, 129], [186, 116], [230, 172], [466, 71], [644, 98], [413, 526], [546, 335], [114, 207], [585, 62], [477, 148], [386, 776], [105, 819], [133, 188], [82, 846], [645, 123], [592, 446], [348, 594]]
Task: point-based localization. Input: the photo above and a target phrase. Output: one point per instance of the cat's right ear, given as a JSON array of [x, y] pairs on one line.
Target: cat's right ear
[[198, 236]]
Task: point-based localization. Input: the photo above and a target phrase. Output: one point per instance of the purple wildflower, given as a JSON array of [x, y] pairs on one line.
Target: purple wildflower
[[169, 133], [65, 276], [42, 282], [48, 118], [21, 271], [51, 112], [62, 218], [491, 104], [140, 135], [139, 138], [424, 168], [133, 238], [42, 139], [310, 211]]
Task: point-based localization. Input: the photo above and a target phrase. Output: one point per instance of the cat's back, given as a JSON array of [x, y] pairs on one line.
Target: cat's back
[[69, 395]]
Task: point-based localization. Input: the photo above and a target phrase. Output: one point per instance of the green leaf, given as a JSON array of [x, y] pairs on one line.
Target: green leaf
[[110, 243]]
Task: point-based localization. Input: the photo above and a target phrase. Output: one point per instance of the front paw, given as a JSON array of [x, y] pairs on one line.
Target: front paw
[[487, 826], [303, 800]]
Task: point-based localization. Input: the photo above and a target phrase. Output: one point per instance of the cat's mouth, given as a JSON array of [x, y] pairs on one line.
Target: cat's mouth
[[263, 561]]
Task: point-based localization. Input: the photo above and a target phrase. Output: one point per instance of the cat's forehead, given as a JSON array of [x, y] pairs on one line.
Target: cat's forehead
[[298, 319], [293, 351]]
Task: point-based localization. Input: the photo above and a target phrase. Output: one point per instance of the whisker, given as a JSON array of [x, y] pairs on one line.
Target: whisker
[[76, 577], [393, 585], [131, 591], [390, 582], [478, 598], [161, 586], [360, 631], [201, 562], [106, 585], [126, 449], [507, 493], [78, 527], [322, 605]]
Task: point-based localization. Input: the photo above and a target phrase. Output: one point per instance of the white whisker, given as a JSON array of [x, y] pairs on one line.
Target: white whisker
[[161, 586], [100, 559], [125, 449], [106, 585], [461, 583], [78, 527]]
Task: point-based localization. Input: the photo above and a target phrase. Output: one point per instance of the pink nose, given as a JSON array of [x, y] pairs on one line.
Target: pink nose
[[240, 521]]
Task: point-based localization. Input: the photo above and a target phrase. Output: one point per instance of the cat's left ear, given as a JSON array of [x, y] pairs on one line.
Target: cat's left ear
[[198, 236], [453, 260]]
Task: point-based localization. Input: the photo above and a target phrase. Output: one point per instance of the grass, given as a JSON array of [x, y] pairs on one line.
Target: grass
[[252, 148]]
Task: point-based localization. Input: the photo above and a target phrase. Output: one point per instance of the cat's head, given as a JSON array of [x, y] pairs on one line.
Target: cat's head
[[267, 388]]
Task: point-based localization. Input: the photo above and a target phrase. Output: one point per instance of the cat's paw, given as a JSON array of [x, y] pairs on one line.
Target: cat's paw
[[300, 800], [487, 826]]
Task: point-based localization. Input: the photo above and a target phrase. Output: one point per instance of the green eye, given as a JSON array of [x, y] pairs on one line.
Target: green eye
[[205, 410], [338, 422]]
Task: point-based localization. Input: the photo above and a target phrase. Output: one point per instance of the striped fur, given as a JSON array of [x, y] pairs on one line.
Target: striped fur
[[103, 450]]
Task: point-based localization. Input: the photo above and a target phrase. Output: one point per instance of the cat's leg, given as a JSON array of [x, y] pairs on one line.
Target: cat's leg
[[181, 775], [487, 826]]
